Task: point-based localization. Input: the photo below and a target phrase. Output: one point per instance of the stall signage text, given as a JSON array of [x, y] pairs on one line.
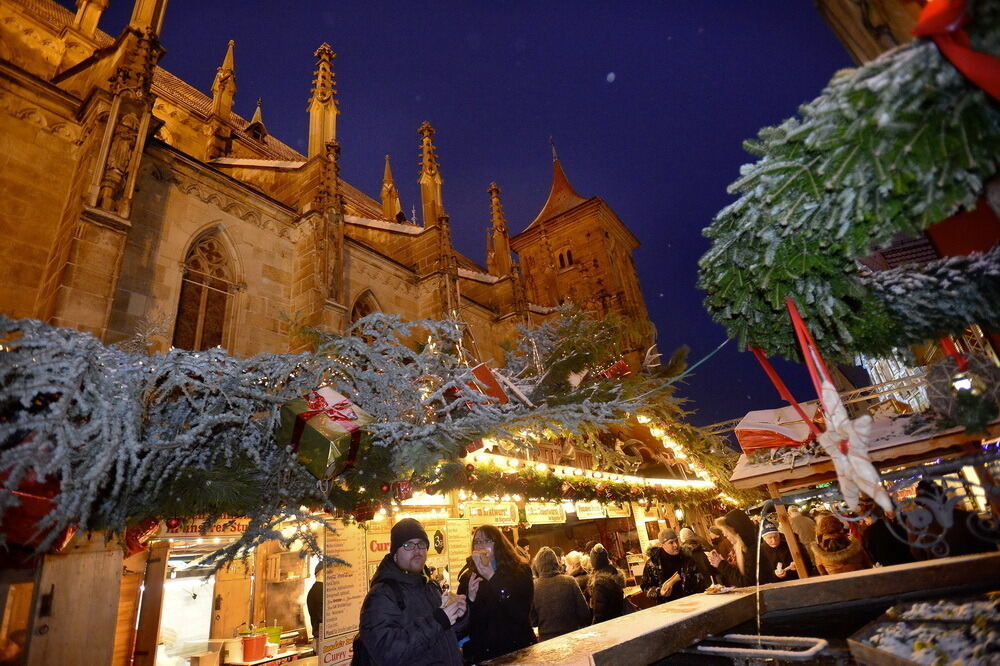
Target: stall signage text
[[492, 513], [544, 513], [589, 510]]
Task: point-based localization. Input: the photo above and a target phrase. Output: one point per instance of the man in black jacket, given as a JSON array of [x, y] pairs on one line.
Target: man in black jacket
[[404, 619]]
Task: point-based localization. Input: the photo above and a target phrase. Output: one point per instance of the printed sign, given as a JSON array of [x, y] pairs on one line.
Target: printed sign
[[617, 510], [544, 513], [589, 510], [225, 526], [491, 513], [459, 531], [344, 590], [640, 526]]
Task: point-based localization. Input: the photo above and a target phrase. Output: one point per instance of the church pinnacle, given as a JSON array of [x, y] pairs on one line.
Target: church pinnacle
[[498, 260], [322, 107], [391, 208], [430, 177], [224, 85]]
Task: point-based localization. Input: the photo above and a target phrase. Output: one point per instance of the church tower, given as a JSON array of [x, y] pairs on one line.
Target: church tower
[[576, 249]]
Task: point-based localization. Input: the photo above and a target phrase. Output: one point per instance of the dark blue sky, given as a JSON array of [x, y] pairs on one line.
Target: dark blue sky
[[648, 103]]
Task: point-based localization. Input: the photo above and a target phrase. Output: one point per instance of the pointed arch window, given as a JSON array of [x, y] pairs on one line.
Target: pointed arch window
[[364, 306], [207, 290]]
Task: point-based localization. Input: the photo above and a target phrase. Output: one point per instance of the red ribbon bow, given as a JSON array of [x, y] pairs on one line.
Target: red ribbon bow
[[943, 21], [342, 413]]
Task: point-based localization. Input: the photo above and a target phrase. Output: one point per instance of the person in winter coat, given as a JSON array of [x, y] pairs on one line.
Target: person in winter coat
[[693, 548], [719, 542], [574, 568], [668, 573], [404, 619], [777, 553], [740, 531], [879, 541], [607, 586], [835, 550], [499, 587], [558, 606]]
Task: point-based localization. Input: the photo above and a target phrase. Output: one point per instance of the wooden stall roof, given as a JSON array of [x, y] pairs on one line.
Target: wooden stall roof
[[891, 447]]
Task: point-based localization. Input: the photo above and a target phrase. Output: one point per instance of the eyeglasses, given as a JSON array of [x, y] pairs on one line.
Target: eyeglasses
[[418, 545]]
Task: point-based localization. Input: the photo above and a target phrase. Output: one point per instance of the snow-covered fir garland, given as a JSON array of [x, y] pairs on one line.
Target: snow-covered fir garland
[[890, 148], [121, 436]]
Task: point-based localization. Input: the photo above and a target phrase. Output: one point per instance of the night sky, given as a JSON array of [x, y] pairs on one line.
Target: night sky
[[648, 103]]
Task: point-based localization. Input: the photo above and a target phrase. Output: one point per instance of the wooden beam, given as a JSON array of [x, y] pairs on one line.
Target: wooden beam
[[786, 529], [151, 605]]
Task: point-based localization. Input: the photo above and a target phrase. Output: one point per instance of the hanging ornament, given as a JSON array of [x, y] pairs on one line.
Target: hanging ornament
[[384, 488], [172, 523], [567, 488], [470, 468], [136, 536], [403, 490]]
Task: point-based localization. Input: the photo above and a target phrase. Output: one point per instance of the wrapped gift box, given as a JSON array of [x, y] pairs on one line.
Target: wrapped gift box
[[324, 429]]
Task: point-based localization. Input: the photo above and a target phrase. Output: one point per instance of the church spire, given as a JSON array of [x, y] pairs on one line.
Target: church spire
[[430, 177], [562, 196], [224, 85], [391, 208], [498, 260], [323, 108]]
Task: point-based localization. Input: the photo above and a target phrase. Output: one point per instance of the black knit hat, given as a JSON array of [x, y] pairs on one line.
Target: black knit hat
[[405, 530]]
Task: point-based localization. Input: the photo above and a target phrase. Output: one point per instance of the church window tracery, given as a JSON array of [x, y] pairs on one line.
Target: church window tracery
[[207, 289]]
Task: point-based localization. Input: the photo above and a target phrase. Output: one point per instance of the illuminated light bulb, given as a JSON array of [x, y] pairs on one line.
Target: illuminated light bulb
[[659, 433], [643, 419], [395, 509], [541, 467], [578, 472], [514, 462], [382, 511], [517, 498], [505, 498], [680, 455]]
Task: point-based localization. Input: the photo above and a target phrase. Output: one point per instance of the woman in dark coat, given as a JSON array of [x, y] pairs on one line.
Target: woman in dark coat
[[498, 585], [559, 606], [607, 591], [742, 534]]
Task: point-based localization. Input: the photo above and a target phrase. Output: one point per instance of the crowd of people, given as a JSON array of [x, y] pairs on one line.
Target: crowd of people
[[507, 600]]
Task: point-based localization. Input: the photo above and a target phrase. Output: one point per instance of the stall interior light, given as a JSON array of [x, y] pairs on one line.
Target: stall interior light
[[505, 462]]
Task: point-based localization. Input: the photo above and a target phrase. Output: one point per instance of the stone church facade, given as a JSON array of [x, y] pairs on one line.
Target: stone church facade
[[130, 197]]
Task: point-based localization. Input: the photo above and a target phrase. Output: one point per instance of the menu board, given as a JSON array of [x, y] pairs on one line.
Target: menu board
[[544, 513], [640, 526], [491, 513], [616, 510], [589, 510], [344, 590], [459, 535]]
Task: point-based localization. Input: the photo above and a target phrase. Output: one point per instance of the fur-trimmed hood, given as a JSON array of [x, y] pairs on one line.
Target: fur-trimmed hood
[[826, 556]]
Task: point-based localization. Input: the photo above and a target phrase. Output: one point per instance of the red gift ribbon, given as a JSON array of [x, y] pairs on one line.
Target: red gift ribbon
[[342, 413], [943, 21]]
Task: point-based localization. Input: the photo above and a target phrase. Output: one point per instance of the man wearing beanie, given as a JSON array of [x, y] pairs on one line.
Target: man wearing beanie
[[404, 618], [668, 572]]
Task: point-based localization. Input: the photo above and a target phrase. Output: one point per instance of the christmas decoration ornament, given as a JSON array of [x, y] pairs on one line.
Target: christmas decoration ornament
[[137, 535], [890, 148], [845, 440], [324, 430]]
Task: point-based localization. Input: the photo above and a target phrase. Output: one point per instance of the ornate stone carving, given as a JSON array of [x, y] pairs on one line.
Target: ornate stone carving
[[42, 119], [119, 158], [230, 205]]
